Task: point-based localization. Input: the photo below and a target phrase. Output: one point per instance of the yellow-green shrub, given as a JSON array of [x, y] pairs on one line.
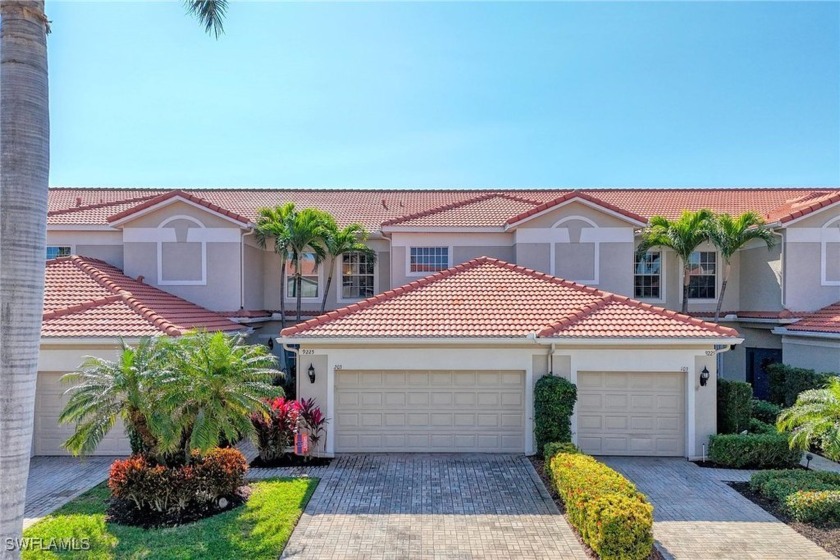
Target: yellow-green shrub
[[613, 518]]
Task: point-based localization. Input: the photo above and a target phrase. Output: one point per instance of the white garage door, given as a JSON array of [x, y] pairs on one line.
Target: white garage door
[[49, 435], [439, 411], [631, 413]]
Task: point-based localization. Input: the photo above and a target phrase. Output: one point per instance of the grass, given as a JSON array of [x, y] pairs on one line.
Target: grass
[[259, 529]]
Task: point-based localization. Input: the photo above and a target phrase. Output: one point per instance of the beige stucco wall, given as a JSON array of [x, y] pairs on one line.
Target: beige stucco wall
[[254, 276], [106, 245], [812, 353], [111, 254], [804, 290], [761, 279], [533, 255], [755, 335]]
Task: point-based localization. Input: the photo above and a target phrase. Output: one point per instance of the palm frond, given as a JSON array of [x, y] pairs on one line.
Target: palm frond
[[209, 13]]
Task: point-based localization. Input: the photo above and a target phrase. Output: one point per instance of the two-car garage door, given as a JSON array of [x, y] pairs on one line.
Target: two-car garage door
[[437, 411]]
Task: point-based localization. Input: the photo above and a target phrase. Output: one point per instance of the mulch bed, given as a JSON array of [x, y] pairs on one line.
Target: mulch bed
[[124, 512], [539, 467], [827, 536], [290, 461], [711, 465]]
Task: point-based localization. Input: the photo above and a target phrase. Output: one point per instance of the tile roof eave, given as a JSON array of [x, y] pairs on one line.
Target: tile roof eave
[[587, 199], [163, 199]]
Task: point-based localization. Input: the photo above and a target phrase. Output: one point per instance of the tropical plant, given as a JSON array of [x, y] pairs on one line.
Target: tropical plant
[[106, 390], [24, 180], [815, 418], [275, 428], [314, 421], [682, 236], [306, 233], [273, 224], [729, 234], [341, 241]]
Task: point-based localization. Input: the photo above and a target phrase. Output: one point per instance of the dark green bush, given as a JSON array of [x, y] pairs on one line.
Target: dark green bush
[[555, 447], [786, 382], [759, 427], [753, 451], [612, 517], [734, 404], [765, 411], [807, 496], [554, 402]]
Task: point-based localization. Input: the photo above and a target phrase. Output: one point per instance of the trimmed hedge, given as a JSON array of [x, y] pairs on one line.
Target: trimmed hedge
[[753, 451], [807, 496], [765, 411], [555, 447], [759, 427], [786, 382], [554, 402], [612, 517], [734, 405]]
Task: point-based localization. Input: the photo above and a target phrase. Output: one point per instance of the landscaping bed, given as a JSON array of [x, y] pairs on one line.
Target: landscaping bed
[[825, 535], [257, 529], [290, 460]]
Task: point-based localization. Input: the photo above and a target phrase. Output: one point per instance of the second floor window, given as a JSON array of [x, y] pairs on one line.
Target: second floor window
[[429, 259], [703, 275], [356, 276], [56, 251], [309, 277], [647, 276]]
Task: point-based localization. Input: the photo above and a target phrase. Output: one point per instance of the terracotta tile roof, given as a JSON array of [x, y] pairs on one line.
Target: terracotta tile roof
[[826, 320], [569, 197], [372, 208], [487, 210], [148, 203], [487, 297], [88, 297], [804, 205]]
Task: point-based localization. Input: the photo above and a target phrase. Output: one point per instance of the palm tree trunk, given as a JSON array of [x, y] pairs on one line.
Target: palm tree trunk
[[686, 283], [726, 270], [282, 292], [24, 176], [298, 285], [329, 283]]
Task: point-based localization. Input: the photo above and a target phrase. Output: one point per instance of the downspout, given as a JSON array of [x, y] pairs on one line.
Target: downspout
[[551, 349], [242, 269]]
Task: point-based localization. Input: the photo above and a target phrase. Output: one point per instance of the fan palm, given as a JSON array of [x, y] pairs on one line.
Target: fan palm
[[341, 241], [729, 234], [305, 236], [682, 236], [273, 223], [815, 418]]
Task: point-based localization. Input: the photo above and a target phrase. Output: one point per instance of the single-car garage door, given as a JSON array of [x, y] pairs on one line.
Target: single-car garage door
[[49, 434], [631, 413], [437, 411]]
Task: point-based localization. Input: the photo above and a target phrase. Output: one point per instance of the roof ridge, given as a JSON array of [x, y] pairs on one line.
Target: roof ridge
[[832, 197], [98, 275], [157, 199], [438, 209], [576, 317], [62, 211], [90, 304], [676, 315], [571, 196]]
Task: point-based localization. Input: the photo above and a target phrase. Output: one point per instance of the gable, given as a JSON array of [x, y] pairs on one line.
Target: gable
[[601, 217]]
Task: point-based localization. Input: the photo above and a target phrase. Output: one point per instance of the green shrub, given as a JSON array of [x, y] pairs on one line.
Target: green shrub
[[786, 382], [554, 402], [765, 411], [753, 451], [807, 496], [555, 447], [814, 507], [759, 427], [734, 403], [613, 518]]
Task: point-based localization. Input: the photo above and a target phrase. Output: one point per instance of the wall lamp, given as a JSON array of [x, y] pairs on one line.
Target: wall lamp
[[704, 376], [311, 372]]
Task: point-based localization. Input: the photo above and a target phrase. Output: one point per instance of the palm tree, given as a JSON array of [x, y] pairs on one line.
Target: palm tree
[[105, 391], [682, 236], [24, 180], [273, 223], [341, 241], [729, 234], [216, 382], [815, 418], [306, 236]]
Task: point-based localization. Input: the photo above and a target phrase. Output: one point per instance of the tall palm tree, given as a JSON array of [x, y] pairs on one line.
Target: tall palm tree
[[339, 242], [24, 181], [815, 418], [306, 236], [273, 223], [729, 234], [682, 236]]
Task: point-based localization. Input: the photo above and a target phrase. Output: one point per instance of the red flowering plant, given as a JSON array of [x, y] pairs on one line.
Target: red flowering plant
[[276, 429], [313, 421]]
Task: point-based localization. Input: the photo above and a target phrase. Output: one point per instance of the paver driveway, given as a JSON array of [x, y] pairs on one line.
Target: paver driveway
[[696, 515], [432, 506]]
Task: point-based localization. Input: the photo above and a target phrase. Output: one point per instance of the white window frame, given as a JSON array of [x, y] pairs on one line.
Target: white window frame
[[71, 247], [662, 275], [339, 273], [160, 242], [408, 271], [303, 299], [717, 277]]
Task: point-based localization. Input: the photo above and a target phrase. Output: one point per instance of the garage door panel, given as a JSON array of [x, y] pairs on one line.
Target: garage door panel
[[430, 411], [631, 413]]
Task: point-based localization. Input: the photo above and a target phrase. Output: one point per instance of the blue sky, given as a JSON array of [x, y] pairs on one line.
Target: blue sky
[[447, 95]]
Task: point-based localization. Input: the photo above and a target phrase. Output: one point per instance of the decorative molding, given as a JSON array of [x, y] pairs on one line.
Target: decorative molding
[[168, 235]]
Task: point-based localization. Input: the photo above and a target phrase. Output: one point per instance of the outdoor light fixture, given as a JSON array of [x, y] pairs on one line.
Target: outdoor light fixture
[[704, 376], [808, 459], [311, 371]]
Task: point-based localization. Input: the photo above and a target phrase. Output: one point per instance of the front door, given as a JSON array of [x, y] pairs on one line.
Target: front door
[[757, 361]]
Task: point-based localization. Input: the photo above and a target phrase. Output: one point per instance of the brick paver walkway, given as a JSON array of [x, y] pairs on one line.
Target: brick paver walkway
[[696, 515], [431, 506]]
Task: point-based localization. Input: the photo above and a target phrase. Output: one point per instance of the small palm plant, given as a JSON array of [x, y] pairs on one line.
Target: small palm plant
[[273, 224], [341, 241], [815, 418], [306, 235], [105, 391]]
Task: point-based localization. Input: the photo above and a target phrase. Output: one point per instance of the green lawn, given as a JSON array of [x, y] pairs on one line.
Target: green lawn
[[259, 529]]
